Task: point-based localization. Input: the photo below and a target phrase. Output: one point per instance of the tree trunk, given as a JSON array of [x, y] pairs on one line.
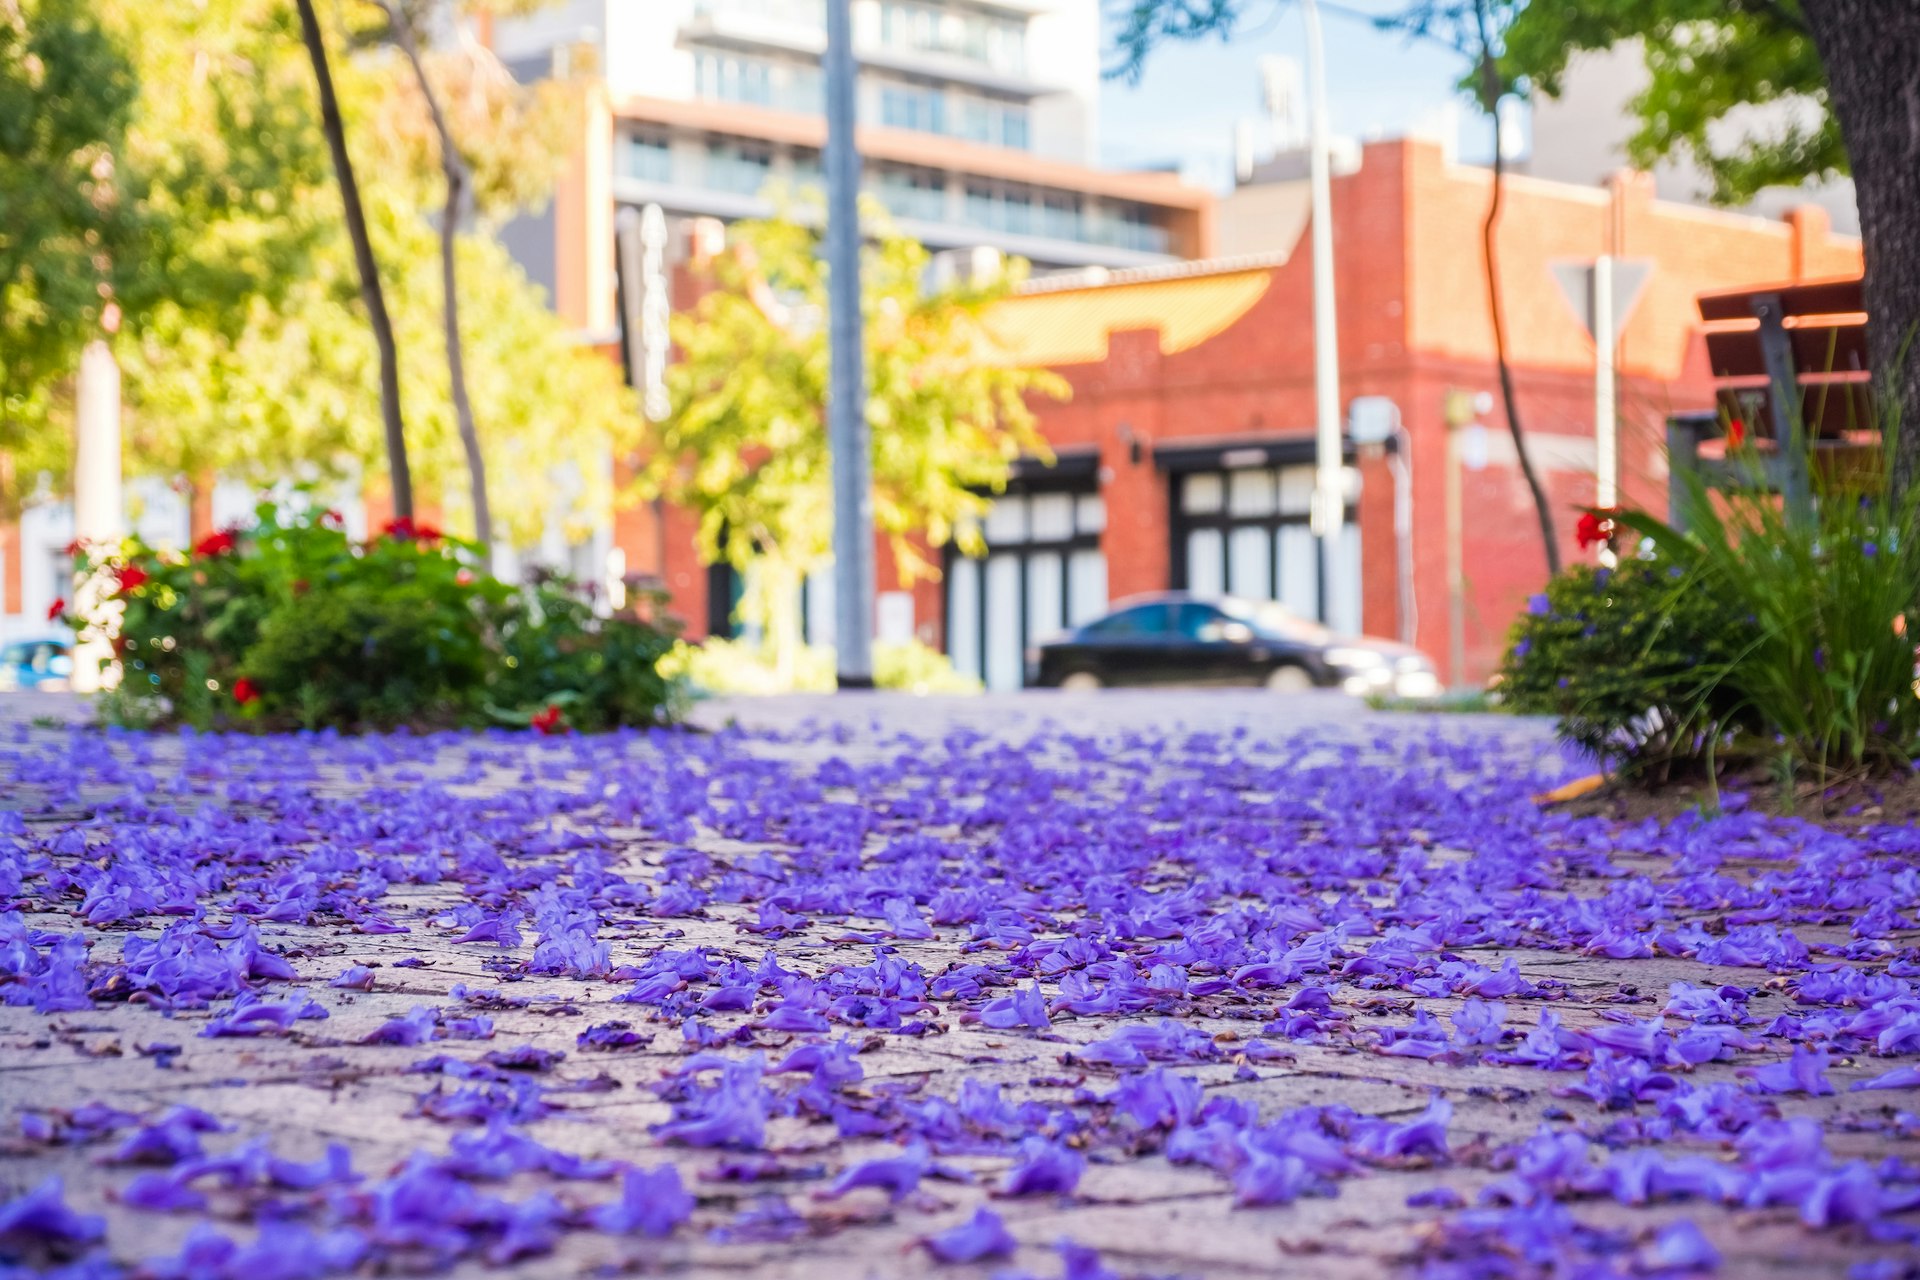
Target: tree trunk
[[399, 474], [1871, 51], [1492, 90], [200, 505], [454, 166]]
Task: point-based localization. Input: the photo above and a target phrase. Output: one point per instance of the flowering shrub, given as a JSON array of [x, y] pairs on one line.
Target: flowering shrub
[[564, 667], [1827, 613], [1630, 660], [291, 623]]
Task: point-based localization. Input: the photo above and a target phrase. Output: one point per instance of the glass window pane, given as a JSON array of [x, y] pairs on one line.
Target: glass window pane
[[1004, 657], [1250, 493], [1051, 517], [1046, 597], [963, 615], [1299, 571], [1007, 520], [1296, 491], [1343, 586], [1087, 586], [1090, 513], [1205, 567], [1250, 564], [1202, 493]]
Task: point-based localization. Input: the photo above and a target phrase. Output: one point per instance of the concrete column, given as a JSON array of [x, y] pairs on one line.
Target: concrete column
[[97, 501]]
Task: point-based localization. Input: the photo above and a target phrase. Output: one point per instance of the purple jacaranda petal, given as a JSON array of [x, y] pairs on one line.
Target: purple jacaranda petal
[[652, 1202], [1026, 1007], [1898, 1078], [1680, 1247], [41, 1217], [1044, 1168], [896, 1175], [162, 1193], [731, 1114], [354, 977], [981, 1236], [1805, 1072]]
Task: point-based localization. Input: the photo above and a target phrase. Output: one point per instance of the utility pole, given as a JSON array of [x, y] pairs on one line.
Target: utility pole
[[849, 445], [1329, 499]]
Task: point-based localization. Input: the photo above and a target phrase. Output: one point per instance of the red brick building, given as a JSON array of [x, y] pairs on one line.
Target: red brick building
[[1185, 452]]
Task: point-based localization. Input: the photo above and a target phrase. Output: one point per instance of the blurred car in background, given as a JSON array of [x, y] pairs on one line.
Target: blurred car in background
[[1178, 638], [44, 664]]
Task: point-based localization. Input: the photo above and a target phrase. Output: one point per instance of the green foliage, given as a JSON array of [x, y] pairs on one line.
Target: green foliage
[[1828, 610], [1709, 62], [600, 672], [1139, 25], [746, 444], [1629, 659], [293, 624], [742, 667], [67, 91], [244, 350]]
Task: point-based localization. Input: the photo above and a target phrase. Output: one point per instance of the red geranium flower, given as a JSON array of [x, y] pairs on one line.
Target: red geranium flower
[[214, 544], [1736, 433], [400, 529], [130, 577], [427, 533], [55, 609], [245, 691], [1595, 527], [551, 720]]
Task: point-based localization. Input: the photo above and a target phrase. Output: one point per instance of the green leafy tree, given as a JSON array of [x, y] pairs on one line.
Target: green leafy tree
[[493, 109], [746, 443], [67, 216], [1839, 76]]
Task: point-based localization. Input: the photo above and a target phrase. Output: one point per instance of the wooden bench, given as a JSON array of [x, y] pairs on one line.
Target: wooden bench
[[1790, 373]]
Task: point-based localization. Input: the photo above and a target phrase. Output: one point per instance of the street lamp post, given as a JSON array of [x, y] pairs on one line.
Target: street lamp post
[[849, 445], [1329, 498]]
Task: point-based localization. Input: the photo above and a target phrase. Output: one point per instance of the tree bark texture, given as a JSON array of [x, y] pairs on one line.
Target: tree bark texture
[[1871, 50], [454, 166], [1488, 229], [399, 474]]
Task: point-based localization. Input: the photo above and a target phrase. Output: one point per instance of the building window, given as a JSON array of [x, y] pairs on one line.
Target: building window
[[739, 167], [1245, 532], [904, 106], [644, 156], [997, 42], [998, 206], [912, 193], [759, 82], [1043, 572]]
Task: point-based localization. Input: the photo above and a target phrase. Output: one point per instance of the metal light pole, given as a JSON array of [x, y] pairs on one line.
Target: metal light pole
[[1329, 501], [849, 447]]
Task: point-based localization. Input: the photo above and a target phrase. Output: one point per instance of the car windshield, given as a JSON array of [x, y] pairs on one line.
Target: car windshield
[[1274, 621], [16, 655]]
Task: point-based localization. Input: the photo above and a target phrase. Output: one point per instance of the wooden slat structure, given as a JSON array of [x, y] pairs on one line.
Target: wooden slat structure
[[1790, 365]]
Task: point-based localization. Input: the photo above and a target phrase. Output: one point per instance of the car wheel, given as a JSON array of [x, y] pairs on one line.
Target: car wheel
[[1289, 680], [1080, 682]]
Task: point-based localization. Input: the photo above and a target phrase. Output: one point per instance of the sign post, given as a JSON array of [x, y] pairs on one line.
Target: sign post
[[1603, 293]]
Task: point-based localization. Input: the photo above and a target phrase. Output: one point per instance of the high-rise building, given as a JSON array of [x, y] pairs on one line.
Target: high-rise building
[[977, 128]]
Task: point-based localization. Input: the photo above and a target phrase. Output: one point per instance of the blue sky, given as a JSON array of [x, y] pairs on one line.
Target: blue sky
[[1378, 84]]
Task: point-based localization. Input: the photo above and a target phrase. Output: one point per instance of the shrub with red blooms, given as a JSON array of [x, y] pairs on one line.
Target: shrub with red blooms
[[294, 624], [1596, 527], [55, 609]]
